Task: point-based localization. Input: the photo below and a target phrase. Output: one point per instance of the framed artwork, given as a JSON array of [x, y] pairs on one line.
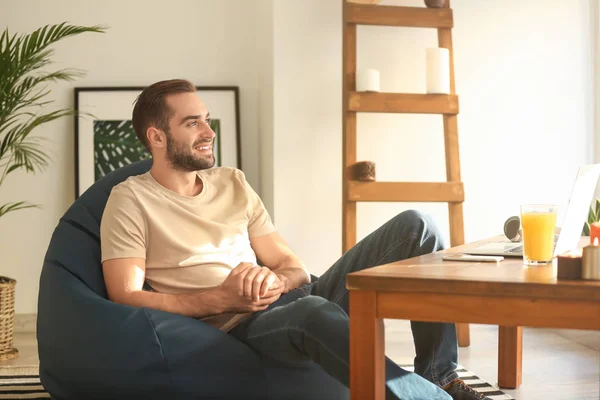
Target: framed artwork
[[105, 139]]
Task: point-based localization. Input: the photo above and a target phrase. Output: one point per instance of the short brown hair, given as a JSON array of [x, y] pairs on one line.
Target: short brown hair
[[151, 107]]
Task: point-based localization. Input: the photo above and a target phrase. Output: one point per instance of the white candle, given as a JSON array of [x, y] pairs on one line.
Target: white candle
[[591, 261], [367, 80], [438, 70]]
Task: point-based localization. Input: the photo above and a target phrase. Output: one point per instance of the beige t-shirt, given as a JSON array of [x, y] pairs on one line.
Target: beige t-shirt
[[189, 243]]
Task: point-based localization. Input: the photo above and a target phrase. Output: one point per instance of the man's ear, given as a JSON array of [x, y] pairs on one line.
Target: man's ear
[[156, 137]]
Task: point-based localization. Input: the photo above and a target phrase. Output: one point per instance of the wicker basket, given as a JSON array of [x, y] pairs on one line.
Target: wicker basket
[[7, 318]]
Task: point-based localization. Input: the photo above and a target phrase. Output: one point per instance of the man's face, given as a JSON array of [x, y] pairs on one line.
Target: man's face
[[190, 138]]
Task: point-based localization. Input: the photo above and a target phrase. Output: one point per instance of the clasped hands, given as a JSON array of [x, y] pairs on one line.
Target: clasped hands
[[250, 288]]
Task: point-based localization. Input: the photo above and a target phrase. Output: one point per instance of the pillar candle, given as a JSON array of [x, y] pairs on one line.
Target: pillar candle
[[367, 80], [591, 261], [438, 70], [594, 231]]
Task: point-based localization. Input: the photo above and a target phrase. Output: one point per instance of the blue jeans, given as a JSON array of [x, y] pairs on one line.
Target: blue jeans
[[312, 323]]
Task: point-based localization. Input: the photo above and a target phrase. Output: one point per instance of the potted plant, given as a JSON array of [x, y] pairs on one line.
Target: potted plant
[[593, 216], [23, 108]]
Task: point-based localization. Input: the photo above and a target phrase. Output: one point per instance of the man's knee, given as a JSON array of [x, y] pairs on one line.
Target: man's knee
[[317, 311], [417, 220], [425, 226], [414, 217]]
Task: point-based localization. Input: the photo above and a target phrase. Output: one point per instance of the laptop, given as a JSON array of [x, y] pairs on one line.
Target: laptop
[[574, 220]]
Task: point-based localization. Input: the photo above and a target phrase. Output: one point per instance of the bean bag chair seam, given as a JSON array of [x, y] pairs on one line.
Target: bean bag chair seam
[[162, 354], [58, 264], [80, 227]]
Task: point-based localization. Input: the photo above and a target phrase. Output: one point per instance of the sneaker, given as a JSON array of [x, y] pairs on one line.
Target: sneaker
[[459, 390]]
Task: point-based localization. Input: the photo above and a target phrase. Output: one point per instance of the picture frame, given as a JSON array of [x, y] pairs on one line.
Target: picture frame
[[105, 140]]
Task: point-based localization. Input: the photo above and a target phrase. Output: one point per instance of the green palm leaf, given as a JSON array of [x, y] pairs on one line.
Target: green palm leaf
[[593, 216], [586, 229], [20, 205], [23, 97], [16, 138]]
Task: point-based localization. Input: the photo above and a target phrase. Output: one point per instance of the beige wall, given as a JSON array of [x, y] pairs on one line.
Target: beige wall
[[265, 41], [208, 42], [595, 16], [523, 74]]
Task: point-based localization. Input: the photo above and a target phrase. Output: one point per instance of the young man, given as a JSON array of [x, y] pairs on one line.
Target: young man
[[185, 238]]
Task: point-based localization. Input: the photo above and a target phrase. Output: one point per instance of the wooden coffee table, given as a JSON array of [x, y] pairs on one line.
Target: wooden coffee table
[[426, 288]]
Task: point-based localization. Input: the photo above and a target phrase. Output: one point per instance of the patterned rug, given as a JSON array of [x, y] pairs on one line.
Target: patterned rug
[[21, 383], [24, 383], [493, 392]]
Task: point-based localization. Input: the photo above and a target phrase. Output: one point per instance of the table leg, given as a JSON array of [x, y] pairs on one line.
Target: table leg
[[463, 334], [510, 356], [367, 355]]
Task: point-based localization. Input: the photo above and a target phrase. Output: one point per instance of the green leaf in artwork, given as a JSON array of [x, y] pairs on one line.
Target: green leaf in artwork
[[215, 125], [115, 145]]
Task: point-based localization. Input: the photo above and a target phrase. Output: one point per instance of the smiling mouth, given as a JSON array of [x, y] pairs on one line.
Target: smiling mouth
[[203, 148]]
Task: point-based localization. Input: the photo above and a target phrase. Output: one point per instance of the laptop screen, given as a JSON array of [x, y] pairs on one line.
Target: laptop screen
[[578, 208]]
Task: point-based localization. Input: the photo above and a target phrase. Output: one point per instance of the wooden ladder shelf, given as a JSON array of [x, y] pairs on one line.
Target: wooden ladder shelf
[[451, 191]]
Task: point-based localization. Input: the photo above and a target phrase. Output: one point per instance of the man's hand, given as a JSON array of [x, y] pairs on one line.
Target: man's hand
[[250, 288], [275, 253]]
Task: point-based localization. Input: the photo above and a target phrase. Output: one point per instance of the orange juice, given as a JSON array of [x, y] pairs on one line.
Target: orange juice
[[538, 235]]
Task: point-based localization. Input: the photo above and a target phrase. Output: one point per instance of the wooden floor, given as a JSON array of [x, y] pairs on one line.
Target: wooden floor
[[26, 343], [557, 364]]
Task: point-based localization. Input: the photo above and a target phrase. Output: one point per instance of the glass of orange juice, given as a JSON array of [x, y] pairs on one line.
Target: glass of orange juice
[[538, 223]]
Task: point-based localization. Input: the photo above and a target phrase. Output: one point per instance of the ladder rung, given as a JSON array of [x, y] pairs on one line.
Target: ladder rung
[[403, 103], [412, 17], [452, 192]]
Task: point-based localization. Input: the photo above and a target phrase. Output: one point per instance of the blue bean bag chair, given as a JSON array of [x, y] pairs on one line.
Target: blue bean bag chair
[[92, 348]]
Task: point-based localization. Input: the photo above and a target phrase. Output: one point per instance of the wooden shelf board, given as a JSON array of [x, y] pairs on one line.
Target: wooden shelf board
[[403, 103], [452, 192], [412, 17]]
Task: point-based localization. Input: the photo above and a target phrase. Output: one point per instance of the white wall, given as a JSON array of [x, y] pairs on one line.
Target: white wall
[[208, 42], [265, 20], [523, 74], [595, 16], [307, 128]]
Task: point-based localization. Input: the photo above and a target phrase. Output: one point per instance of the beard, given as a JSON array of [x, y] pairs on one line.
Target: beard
[[185, 159]]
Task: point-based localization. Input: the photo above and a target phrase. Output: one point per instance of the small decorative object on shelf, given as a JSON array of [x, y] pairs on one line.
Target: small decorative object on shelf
[[569, 265], [435, 3], [367, 80], [364, 171], [591, 261]]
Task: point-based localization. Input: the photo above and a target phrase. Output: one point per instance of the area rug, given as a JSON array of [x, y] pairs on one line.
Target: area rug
[[21, 383], [493, 392], [24, 383]]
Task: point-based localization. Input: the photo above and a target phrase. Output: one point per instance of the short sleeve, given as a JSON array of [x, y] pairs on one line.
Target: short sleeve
[[259, 220], [122, 228]]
